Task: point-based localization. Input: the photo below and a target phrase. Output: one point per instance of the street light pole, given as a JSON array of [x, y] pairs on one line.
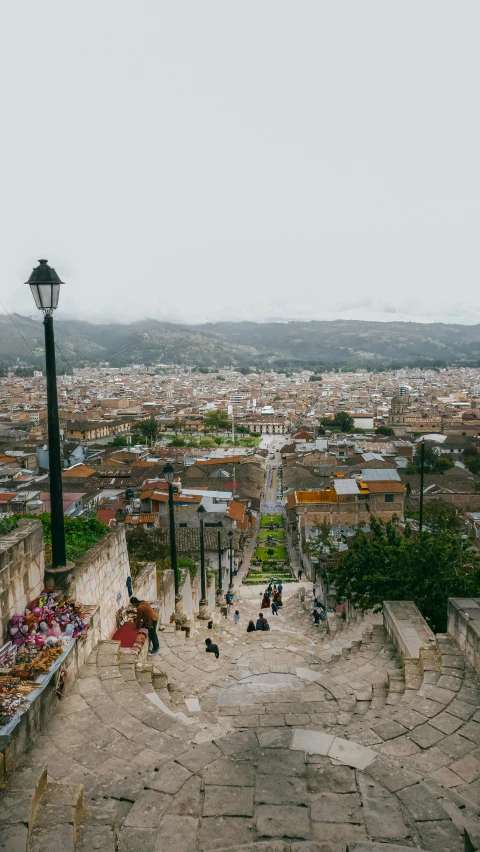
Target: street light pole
[[422, 466], [230, 535], [203, 605], [219, 596], [169, 476], [45, 286]]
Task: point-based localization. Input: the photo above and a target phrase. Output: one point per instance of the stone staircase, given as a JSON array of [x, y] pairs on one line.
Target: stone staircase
[[390, 758]]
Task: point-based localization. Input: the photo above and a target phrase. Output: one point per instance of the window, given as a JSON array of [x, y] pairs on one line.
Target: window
[[182, 525], [388, 498]]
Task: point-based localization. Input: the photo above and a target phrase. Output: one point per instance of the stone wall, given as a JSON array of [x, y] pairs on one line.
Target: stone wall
[[414, 641], [145, 583], [464, 628], [99, 577], [22, 565]]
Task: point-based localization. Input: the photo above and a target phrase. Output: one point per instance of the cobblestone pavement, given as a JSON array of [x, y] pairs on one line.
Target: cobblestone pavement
[[293, 739]]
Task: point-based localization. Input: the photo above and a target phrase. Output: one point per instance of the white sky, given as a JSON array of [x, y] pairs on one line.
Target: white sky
[[208, 159]]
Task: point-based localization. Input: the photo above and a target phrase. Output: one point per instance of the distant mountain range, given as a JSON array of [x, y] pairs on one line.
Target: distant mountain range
[[316, 345]]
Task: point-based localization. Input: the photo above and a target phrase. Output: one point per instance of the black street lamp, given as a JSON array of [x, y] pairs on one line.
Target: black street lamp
[[45, 286], [230, 535], [422, 466], [169, 476], [203, 605], [219, 595]]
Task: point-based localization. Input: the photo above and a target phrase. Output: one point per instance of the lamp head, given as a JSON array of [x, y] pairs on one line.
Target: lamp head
[[201, 509], [168, 473], [230, 534], [45, 286]]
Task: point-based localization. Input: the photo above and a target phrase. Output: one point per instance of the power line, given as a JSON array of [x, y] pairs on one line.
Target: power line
[[22, 336]]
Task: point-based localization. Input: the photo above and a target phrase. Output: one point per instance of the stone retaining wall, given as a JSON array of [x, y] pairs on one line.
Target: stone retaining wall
[[22, 566], [464, 628], [145, 583], [414, 641]]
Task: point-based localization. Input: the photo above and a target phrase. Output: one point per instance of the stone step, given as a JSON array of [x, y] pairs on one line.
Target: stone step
[[57, 819], [99, 827], [367, 846], [18, 806]]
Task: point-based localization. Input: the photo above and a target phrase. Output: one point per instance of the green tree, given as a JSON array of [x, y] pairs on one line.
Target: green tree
[[149, 429], [315, 379], [385, 430], [343, 421], [178, 442], [389, 563], [118, 441], [207, 443], [176, 424], [471, 459], [213, 421], [443, 463]]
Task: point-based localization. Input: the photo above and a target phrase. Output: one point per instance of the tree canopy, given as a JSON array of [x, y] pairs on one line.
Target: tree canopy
[[393, 563], [149, 429], [216, 420]]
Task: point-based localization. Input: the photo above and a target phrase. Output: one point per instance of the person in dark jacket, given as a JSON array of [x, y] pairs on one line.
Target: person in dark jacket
[[251, 626], [212, 648], [262, 623]]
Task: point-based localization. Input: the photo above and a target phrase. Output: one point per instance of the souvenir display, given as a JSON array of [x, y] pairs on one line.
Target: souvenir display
[[35, 640]]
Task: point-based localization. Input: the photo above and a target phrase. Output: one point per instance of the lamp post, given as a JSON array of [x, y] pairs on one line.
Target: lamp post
[[169, 476], [422, 466], [230, 535], [45, 286], [219, 596], [203, 605]]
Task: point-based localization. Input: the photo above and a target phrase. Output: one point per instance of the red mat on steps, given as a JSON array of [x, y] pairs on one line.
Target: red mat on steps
[[126, 634]]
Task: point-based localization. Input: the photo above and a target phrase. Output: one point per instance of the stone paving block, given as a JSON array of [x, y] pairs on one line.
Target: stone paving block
[[237, 743], [455, 746], [441, 835], [409, 718], [176, 834], [277, 720], [148, 810], [223, 801], [468, 768], [338, 833], [351, 753], [199, 756], [427, 707], [330, 779], [169, 778], [443, 696], [283, 821], [230, 773], [470, 792], [280, 790], [218, 833], [391, 776], [446, 778], [449, 682], [383, 819], [313, 742], [471, 731], [281, 762], [336, 807], [399, 748], [421, 804], [187, 801], [425, 735], [279, 737], [446, 723], [389, 729], [471, 695]]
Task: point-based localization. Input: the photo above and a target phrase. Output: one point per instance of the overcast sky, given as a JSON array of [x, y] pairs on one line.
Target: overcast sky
[[210, 159]]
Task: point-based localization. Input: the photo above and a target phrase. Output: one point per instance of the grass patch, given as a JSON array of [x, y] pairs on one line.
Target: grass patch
[[272, 521], [267, 554], [277, 535]]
